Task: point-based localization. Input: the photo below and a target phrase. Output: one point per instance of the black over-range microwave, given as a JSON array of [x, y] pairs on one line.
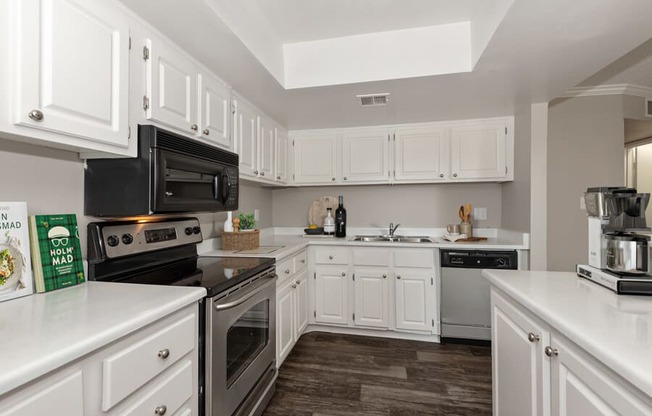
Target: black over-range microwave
[[171, 174]]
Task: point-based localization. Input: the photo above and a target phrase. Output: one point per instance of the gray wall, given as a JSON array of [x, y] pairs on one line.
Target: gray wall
[[585, 148], [432, 205], [516, 195], [52, 181]]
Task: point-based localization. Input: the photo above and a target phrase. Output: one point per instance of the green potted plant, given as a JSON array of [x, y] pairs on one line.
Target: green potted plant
[[247, 222]]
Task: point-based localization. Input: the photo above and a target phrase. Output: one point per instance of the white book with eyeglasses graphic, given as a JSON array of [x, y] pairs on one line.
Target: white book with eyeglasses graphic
[[56, 251], [15, 268]]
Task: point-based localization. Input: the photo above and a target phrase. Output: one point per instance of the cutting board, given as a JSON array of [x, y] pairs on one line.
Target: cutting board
[[471, 240], [317, 210]]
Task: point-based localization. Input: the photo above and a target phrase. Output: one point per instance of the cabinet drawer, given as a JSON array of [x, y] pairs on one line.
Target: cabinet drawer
[[170, 393], [414, 258], [129, 369], [371, 257], [300, 260], [331, 255], [284, 269]]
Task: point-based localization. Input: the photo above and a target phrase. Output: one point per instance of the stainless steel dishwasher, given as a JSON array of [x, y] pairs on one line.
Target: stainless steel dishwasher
[[465, 300]]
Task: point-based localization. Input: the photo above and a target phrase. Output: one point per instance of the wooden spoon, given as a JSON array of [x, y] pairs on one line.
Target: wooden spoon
[[460, 212], [467, 212]]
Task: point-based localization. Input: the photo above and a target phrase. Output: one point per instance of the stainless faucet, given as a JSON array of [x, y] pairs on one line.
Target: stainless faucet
[[392, 229]]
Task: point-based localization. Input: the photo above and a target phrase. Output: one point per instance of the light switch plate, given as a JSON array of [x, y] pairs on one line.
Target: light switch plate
[[257, 214], [480, 213], [582, 203]]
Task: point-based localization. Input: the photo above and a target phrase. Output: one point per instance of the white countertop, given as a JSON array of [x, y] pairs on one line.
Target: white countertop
[[44, 331], [289, 240], [615, 329]]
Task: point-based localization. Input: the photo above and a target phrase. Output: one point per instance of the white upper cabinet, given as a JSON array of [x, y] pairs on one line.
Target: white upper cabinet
[[315, 159], [246, 132], [266, 147], [365, 156], [281, 155], [420, 154], [215, 111], [171, 87], [479, 150], [72, 68]]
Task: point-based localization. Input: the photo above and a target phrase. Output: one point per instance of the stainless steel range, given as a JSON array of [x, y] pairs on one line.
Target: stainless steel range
[[238, 326]]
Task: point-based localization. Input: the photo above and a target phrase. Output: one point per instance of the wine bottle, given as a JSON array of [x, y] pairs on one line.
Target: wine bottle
[[329, 222], [340, 219]]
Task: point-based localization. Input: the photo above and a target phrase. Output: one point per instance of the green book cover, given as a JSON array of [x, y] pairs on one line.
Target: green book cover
[[56, 251]]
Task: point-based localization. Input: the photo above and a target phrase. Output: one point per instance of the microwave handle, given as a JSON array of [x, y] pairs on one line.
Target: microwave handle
[[216, 186]]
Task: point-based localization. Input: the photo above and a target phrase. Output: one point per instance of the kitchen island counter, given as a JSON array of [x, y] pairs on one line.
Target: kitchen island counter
[[43, 332], [615, 329]]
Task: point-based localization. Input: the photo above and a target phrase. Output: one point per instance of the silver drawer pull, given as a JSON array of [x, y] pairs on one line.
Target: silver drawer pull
[[343, 274], [532, 337], [164, 353], [303, 261], [206, 132], [287, 271], [294, 286], [330, 257], [194, 127], [551, 351], [398, 276], [36, 115], [384, 276], [160, 410]]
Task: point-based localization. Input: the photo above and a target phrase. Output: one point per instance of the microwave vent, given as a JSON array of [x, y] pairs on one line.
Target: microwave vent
[[373, 100], [165, 140]]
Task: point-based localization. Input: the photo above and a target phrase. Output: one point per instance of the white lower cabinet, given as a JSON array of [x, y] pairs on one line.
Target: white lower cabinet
[[331, 295], [537, 371], [371, 289], [291, 303], [414, 300]]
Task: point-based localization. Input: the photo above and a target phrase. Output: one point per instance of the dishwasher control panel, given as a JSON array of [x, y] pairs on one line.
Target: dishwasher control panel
[[480, 259]]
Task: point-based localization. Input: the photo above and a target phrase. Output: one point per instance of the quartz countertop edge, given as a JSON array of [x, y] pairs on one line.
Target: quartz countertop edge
[[45, 331], [602, 323]]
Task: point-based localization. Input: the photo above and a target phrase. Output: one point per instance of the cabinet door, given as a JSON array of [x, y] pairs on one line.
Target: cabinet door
[[478, 151], [59, 394], [415, 300], [331, 300], [371, 288], [285, 338], [281, 156], [72, 58], [315, 159], [215, 111], [521, 372], [581, 387], [301, 303], [421, 155], [266, 149], [365, 157], [247, 136], [171, 87]]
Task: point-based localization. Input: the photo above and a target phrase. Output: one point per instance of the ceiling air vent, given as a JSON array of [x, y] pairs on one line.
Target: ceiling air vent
[[373, 100]]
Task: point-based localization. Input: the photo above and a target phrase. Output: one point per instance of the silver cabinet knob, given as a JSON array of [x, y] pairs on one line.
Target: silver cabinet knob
[[255, 172], [298, 282], [160, 410], [398, 276], [164, 353], [454, 175], [345, 178], [262, 173], [384, 276], [343, 274], [278, 178], [206, 132], [333, 179], [330, 257], [294, 286], [36, 115], [441, 175], [303, 261], [532, 337], [194, 127], [287, 271], [549, 351]]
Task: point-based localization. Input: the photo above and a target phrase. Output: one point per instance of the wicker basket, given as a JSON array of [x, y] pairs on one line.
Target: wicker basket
[[241, 240]]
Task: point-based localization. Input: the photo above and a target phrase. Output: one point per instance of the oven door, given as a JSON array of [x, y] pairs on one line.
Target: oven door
[[240, 344], [182, 183]]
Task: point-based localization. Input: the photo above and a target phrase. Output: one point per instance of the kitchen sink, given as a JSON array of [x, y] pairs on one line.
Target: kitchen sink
[[395, 239]]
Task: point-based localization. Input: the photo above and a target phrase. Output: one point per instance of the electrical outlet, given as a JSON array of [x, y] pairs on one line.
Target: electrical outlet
[[582, 203], [480, 213], [257, 214]]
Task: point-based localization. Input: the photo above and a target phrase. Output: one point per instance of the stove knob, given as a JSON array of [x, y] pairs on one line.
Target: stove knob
[[188, 230], [196, 229], [127, 238], [501, 262], [112, 240]]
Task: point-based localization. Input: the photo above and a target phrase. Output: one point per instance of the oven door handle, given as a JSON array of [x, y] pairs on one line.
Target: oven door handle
[[248, 293]]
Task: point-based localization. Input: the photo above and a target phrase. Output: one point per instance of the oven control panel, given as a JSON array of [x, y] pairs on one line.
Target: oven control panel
[[117, 239]]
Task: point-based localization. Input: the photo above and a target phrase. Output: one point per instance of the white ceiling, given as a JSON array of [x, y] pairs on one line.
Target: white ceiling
[[535, 52]]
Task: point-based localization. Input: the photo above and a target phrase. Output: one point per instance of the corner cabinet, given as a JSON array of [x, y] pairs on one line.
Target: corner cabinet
[[291, 303], [538, 371], [71, 73]]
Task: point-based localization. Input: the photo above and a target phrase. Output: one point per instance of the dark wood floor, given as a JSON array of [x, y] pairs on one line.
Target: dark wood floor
[[331, 374]]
